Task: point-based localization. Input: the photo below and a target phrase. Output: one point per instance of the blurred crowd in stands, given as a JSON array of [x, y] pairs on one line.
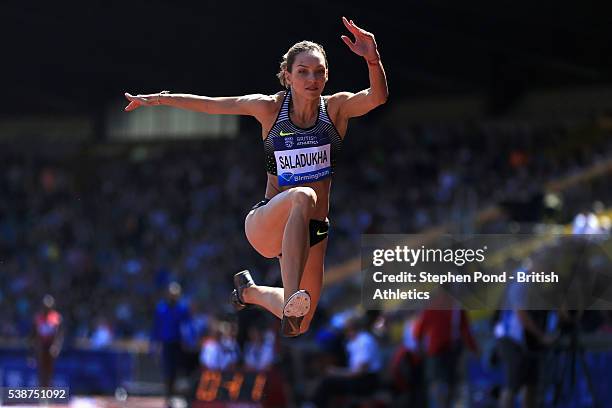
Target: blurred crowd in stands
[[105, 228]]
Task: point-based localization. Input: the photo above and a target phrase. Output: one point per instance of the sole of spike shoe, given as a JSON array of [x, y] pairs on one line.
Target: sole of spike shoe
[[297, 305]]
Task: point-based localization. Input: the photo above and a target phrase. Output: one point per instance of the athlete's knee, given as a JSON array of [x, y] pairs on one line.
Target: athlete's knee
[[304, 198]]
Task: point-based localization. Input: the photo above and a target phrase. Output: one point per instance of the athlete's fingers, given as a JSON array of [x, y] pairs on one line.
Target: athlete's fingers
[[136, 99], [348, 42], [142, 99], [131, 106], [346, 23], [349, 26]]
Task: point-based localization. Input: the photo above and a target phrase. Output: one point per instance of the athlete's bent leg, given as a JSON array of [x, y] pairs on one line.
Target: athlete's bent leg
[[296, 239], [281, 226], [312, 280]]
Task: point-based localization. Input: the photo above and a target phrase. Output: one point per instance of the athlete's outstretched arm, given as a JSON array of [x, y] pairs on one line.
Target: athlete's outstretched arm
[[254, 105], [357, 104]]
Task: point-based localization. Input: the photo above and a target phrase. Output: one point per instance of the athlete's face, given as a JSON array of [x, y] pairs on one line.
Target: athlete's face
[[308, 74]]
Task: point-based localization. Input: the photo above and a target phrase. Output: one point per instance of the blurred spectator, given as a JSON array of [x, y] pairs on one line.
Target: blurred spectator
[[170, 315], [407, 371], [521, 341], [221, 351], [192, 333], [259, 349], [102, 335], [331, 338], [360, 378], [442, 335], [48, 340]]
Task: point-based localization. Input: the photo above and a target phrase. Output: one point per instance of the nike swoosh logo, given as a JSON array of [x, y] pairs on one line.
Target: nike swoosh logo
[[321, 233], [286, 133]]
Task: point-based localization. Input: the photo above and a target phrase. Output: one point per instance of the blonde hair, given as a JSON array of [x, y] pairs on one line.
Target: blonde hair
[[289, 58]]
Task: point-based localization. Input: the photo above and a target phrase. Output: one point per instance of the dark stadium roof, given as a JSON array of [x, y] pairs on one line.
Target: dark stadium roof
[[58, 59]]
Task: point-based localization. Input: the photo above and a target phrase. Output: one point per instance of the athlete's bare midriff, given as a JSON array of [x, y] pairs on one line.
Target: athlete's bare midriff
[[321, 188]]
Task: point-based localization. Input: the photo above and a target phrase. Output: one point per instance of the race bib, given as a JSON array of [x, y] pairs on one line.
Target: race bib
[[302, 158]]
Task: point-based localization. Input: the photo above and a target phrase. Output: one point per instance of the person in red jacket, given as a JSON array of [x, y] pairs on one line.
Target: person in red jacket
[[47, 340], [441, 335]]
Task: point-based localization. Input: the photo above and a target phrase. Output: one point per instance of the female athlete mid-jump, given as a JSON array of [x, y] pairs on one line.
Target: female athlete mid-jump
[[302, 133]]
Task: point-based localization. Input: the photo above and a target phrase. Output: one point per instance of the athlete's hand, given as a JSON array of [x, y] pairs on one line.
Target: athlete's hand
[[364, 44], [142, 100]]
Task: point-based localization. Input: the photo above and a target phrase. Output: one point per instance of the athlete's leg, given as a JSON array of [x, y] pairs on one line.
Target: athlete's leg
[[312, 280], [270, 298], [281, 226], [296, 241]]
